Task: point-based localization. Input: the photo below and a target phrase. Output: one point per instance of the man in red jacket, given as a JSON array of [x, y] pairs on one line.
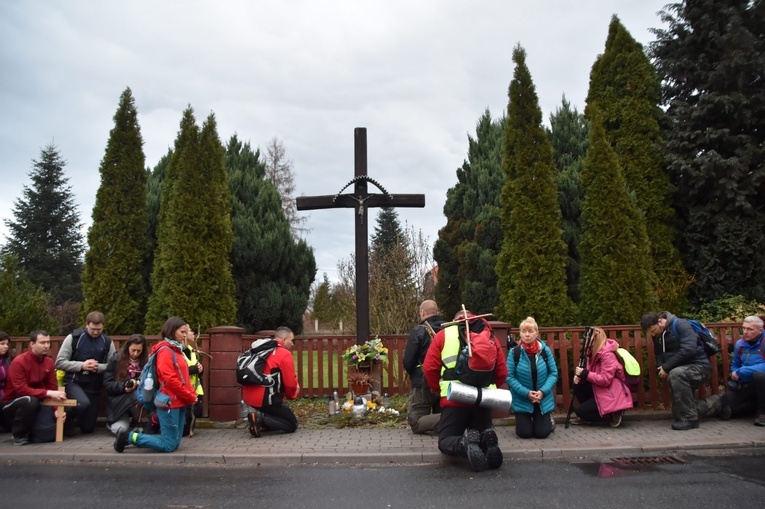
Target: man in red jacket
[[269, 413], [31, 379], [465, 430]]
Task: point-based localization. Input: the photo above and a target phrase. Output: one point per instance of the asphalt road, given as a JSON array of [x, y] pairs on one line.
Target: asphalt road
[[703, 481]]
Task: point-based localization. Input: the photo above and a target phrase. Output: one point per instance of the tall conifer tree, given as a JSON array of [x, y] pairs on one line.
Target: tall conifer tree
[[45, 236], [616, 276], [273, 270], [532, 264], [626, 89], [568, 134], [467, 247], [113, 281], [711, 60], [192, 272]]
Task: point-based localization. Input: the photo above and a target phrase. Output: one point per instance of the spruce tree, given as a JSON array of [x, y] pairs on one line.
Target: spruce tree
[[467, 247], [112, 281], [568, 135], [24, 307], [626, 89], [711, 60], [532, 264], [45, 236], [273, 271], [192, 272], [616, 273]]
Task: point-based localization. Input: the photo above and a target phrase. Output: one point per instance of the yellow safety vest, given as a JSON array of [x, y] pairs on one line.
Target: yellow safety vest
[[449, 355]]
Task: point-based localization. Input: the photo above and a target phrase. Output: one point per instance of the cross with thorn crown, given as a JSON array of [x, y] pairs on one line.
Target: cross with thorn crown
[[361, 200]]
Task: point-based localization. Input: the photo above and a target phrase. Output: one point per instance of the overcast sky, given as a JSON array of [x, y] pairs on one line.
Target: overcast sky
[[417, 74]]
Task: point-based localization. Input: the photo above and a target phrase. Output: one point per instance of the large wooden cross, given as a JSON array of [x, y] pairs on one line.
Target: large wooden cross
[[361, 201]]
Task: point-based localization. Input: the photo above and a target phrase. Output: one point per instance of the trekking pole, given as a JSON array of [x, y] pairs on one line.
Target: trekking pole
[[586, 342]]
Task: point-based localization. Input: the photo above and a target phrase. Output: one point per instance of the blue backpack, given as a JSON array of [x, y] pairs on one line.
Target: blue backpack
[[148, 394], [706, 338]]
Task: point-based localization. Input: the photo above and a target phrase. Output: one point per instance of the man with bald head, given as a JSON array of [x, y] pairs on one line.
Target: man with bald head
[[423, 413]]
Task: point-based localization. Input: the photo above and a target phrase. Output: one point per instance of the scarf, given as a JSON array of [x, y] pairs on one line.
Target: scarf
[[531, 349]]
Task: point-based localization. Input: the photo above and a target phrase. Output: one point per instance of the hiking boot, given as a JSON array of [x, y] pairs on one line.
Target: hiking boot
[[490, 447], [725, 409], [255, 421], [20, 440], [121, 440], [475, 455], [760, 420], [616, 419], [685, 425]]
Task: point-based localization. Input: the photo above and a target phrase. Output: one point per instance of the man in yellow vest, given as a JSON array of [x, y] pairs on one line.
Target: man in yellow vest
[[465, 430]]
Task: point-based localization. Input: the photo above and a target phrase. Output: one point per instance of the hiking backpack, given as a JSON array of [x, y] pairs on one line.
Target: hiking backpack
[[148, 392], [706, 338], [250, 364], [475, 366], [631, 368]]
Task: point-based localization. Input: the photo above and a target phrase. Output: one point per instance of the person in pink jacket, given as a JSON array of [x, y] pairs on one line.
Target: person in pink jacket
[[600, 388]]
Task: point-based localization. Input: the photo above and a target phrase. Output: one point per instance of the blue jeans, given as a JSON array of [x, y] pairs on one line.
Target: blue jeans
[[170, 428]]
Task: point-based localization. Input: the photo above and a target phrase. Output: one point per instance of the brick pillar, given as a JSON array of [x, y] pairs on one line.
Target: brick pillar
[[225, 393]]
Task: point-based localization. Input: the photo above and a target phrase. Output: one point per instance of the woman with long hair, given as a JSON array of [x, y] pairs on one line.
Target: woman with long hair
[[5, 364], [121, 379], [600, 387], [173, 392]]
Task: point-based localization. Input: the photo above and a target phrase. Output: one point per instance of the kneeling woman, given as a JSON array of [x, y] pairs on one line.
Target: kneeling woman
[[600, 388], [174, 392], [531, 377], [121, 381]]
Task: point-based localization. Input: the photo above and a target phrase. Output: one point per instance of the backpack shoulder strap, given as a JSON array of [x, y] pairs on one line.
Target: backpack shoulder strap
[[517, 353]]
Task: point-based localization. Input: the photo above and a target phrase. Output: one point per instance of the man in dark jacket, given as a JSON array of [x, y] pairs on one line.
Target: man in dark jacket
[[424, 409], [683, 363]]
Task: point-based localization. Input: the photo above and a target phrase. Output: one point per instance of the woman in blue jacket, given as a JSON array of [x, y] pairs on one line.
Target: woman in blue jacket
[[531, 379]]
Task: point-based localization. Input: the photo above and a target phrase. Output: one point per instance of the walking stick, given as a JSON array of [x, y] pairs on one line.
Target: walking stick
[[586, 343]]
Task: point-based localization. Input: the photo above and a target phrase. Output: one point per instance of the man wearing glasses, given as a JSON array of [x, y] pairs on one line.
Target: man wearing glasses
[[83, 357]]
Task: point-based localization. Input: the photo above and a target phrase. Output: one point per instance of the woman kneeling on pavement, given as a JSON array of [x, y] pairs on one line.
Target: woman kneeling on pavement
[[600, 387], [173, 387]]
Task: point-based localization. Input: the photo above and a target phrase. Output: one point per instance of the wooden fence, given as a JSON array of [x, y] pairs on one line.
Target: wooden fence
[[321, 369]]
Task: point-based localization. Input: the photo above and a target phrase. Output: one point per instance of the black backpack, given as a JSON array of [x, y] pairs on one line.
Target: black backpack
[[250, 364]]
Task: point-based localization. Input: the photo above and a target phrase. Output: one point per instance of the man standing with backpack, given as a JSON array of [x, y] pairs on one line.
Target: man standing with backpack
[[683, 363], [268, 411], [466, 430], [83, 356], [423, 412]]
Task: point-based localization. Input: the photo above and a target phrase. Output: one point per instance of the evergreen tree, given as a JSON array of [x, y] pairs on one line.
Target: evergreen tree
[[568, 135], [532, 264], [154, 179], [322, 302], [273, 271], [711, 60], [45, 236], [24, 307], [112, 281], [616, 278], [281, 173], [467, 247], [192, 272], [626, 89]]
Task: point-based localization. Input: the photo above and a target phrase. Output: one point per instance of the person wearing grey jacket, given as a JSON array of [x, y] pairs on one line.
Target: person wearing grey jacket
[[683, 363]]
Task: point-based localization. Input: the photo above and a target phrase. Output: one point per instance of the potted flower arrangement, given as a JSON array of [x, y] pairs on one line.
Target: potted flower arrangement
[[363, 355], [360, 359]]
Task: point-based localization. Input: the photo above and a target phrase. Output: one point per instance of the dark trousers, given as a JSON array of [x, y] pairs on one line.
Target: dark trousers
[[454, 422], [750, 398], [29, 419], [279, 418], [588, 407], [86, 412], [533, 425]]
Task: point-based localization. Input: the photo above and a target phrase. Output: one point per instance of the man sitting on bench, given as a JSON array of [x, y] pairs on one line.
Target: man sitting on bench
[[31, 379]]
